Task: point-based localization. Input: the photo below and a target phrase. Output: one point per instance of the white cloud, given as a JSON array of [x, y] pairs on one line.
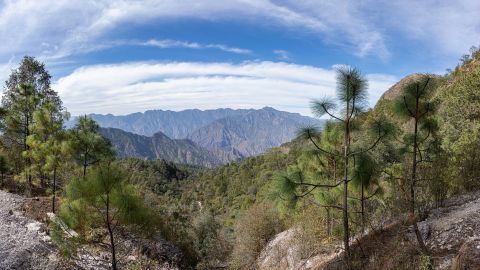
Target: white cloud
[[5, 70], [282, 54], [168, 43], [447, 27], [132, 87], [63, 27]]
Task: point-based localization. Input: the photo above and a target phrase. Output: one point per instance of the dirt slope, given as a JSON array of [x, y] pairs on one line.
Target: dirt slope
[[23, 241]]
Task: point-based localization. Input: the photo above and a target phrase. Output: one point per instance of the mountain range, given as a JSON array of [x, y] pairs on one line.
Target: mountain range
[[205, 138], [159, 146]]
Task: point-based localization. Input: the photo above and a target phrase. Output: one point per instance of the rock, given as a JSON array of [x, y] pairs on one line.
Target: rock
[[468, 257], [425, 230], [67, 231]]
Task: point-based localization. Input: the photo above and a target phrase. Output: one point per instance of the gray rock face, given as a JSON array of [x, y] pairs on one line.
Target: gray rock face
[[23, 242], [451, 232]]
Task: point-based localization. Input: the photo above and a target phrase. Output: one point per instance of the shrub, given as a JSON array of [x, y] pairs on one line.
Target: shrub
[[253, 230]]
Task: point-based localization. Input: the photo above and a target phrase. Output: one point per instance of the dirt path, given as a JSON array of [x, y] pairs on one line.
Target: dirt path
[[23, 242]]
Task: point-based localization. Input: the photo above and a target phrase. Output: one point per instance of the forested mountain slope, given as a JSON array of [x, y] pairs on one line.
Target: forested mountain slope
[[159, 146]]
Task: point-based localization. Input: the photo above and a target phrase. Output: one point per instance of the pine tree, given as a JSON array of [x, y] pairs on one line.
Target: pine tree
[[88, 145], [414, 105], [27, 89], [351, 94], [105, 199], [48, 145]]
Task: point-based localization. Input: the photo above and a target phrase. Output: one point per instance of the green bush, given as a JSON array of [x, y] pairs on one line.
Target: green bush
[[253, 230]]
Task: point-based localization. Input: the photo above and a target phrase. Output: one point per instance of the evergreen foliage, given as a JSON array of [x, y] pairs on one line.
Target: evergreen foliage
[[88, 145], [351, 95], [105, 199], [47, 146], [415, 105], [26, 90]]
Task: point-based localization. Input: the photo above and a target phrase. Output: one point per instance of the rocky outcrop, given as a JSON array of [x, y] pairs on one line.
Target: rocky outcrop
[[451, 226], [24, 243], [285, 251], [162, 251], [451, 232], [396, 90]]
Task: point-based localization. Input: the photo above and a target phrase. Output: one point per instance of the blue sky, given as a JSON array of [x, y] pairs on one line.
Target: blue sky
[[126, 56]]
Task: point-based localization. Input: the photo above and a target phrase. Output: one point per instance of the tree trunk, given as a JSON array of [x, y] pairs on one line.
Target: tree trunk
[[26, 148], [110, 232], [363, 209], [54, 188], [84, 170], [421, 243], [346, 233], [329, 222]]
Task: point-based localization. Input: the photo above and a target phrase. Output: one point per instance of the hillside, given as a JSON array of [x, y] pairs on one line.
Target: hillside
[[159, 146], [449, 230]]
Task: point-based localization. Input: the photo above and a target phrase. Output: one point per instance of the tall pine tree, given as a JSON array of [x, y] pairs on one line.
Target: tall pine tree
[[26, 90], [351, 95]]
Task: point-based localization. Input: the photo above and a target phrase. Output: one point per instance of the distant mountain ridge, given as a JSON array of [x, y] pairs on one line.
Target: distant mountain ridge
[[176, 125], [224, 135], [252, 133], [159, 146]]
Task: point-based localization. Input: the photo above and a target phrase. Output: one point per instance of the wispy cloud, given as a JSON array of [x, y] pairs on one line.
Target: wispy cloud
[[80, 26], [62, 27], [131, 87], [282, 54], [168, 43]]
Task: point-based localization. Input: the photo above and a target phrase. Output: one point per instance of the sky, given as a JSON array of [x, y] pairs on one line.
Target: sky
[[121, 57]]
